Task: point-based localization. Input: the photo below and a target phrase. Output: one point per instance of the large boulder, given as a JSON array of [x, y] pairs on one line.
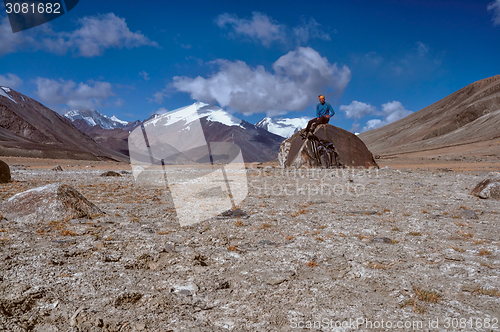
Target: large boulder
[[329, 147], [4, 172], [489, 188], [53, 202]]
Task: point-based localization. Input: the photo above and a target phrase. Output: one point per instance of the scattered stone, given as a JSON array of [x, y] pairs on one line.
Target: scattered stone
[[111, 173], [489, 188], [267, 243], [53, 202], [57, 168], [466, 214], [470, 288], [236, 213], [127, 299], [275, 281], [368, 213], [4, 172], [125, 172], [381, 240]]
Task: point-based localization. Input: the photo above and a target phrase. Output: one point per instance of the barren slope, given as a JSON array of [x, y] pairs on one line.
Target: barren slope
[[29, 129], [467, 116]]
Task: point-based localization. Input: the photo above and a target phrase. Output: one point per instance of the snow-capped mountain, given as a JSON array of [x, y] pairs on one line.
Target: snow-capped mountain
[[94, 118], [200, 123], [284, 127]]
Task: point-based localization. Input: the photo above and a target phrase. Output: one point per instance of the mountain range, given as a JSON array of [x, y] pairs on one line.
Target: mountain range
[[284, 127], [30, 129]]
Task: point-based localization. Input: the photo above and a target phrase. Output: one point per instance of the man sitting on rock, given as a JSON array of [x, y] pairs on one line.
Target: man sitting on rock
[[323, 113]]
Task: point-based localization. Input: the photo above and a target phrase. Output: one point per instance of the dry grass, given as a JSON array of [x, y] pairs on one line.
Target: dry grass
[[386, 211], [322, 227], [427, 296], [290, 237], [361, 237], [302, 211], [461, 224], [415, 233], [232, 248], [406, 214], [67, 232], [489, 292], [163, 232], [319, 239], [395, 229], [484, 252], [3, 230], [239, 223], [312, 264], [458, 249], [377, 266], [265, 226], [465, 235]]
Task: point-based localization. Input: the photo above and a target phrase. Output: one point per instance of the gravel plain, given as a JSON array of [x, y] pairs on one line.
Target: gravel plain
[[313, 250]]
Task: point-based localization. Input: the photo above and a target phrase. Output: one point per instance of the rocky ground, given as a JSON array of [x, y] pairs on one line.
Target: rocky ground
[[312, 251]]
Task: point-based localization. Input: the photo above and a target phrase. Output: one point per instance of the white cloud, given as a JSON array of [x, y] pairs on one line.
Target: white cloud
[[94, 35], [263, 29], [392, 111], [310, 30], [144, 75], [357, 110], [75, 96], [495, 8], [10, 80], [299, 76], [12, 42], [260, 27]]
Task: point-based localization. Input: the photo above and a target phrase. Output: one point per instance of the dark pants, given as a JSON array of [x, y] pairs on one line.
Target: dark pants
[[316, 122]]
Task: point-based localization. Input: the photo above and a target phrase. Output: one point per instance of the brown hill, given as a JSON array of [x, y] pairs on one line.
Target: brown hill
[[465, 122], [30, 129], [115, 139]]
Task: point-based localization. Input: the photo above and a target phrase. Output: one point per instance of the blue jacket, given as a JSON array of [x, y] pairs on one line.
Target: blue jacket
[[325, 109]]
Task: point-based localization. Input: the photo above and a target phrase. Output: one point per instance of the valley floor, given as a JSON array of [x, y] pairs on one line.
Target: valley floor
[[365, 247]]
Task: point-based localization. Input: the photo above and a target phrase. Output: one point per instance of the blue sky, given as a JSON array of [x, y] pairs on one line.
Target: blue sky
[[376, 61]]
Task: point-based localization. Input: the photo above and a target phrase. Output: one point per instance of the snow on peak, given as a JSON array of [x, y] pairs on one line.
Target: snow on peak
[[4, 92], [194, 112], [284, 127], [94, 118]]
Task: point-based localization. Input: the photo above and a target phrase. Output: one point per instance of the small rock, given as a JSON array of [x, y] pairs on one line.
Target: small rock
[[368, 213], [53, 202], [127, 299], [381, 240], [469, 288], [489, 188], [467, 214], [111, 173], [275, 281], [125, 172], [236, 213], [267, 243], [138, 327], [58, 168], [4, 172]]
